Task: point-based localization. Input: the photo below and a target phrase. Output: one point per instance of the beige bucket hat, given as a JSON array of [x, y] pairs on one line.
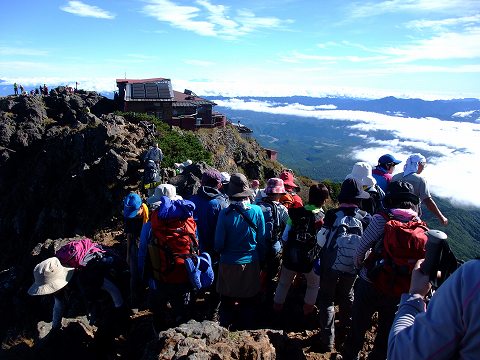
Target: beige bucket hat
[[50, 276]]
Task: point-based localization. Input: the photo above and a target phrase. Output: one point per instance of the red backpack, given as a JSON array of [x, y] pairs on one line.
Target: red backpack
[[173, 240], [403, 244]]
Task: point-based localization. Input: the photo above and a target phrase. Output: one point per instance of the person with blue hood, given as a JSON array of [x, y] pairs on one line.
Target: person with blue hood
[[412, 169], [165, 241]]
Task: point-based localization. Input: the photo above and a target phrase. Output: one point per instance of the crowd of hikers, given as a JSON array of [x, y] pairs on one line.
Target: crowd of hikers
[[19, 89], [240, 247]]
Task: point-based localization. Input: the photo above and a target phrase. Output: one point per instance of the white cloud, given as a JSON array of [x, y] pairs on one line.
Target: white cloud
[[368, 9], [454, 144], [14, 51], [449, 45], [443, 23], [197, 62], [81, 9], [208, 19], [464, 114]]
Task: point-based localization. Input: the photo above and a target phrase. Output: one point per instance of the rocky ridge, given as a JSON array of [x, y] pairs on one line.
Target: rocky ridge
[[66, 162]]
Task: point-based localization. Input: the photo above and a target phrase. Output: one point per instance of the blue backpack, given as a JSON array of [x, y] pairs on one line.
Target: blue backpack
[[199, 270]]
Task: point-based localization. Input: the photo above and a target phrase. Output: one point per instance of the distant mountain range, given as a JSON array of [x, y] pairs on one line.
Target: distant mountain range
[[464, 109]]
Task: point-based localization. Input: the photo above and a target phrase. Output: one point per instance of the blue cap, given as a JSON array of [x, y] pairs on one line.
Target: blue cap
[[131, 205], [387, 159]]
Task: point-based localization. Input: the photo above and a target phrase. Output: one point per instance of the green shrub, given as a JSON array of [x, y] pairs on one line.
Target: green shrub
[[176, 146]]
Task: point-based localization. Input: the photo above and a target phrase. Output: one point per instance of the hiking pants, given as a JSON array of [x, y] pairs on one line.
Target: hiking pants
[[178, 296], [285, 281], [335, 287], [367, 301], [273, 262], [238, 313]]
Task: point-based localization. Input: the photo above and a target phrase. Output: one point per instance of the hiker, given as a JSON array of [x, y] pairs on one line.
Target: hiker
[[169, 190], [135, 214], [414, 166], [290, 199], [154, 153], [209, 201], [276, 217], [299, 238], [51, 278], [225, 181], [166, 240], [384, 170], [45, 90], [255, 185], [338, 238], [362, 172], [375, 292], [151, 177], [239, 239], [15, 88], [448, 328]]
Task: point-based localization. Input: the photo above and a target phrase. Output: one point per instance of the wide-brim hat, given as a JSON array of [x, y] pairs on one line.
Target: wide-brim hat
[[238, 186], [401, 191], [131, 205], [50, 276], [287, 178], [352, 189], [167, 190], [362, 172], [275, 186]]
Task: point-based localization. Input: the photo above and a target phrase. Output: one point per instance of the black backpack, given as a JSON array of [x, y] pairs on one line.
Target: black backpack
[[300, 251], [150, 172], [273, 228]]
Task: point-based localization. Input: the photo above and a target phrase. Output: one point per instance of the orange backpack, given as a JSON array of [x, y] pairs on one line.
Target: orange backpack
[[173, 240]]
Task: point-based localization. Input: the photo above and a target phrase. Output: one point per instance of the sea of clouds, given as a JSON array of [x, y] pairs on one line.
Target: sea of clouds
[[453, 170]]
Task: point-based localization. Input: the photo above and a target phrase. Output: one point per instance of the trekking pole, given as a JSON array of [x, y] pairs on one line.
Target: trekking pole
[[433, 253]]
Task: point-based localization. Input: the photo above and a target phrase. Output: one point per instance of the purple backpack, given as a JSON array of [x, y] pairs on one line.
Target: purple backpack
[[78, 253]]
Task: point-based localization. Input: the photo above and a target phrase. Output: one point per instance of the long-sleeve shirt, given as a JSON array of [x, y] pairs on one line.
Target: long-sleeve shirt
[[235, 240], [450, 327]]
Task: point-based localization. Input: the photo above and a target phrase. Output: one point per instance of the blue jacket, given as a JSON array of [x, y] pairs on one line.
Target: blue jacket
[[235, 240], [208, 203], [450, 326]]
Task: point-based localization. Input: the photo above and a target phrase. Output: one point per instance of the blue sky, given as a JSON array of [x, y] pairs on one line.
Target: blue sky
[[409, 48]]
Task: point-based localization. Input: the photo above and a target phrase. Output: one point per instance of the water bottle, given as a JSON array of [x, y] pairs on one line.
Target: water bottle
[[433, 252]]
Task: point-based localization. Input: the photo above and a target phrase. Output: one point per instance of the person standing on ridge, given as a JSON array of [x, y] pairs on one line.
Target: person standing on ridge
[[15, 88], [240, 241], [414, 166], [384, 170]]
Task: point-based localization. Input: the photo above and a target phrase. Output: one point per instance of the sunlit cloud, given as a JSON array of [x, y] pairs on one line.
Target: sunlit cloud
[[208, 19], [450, 45], [453, 146], [81, 9]]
